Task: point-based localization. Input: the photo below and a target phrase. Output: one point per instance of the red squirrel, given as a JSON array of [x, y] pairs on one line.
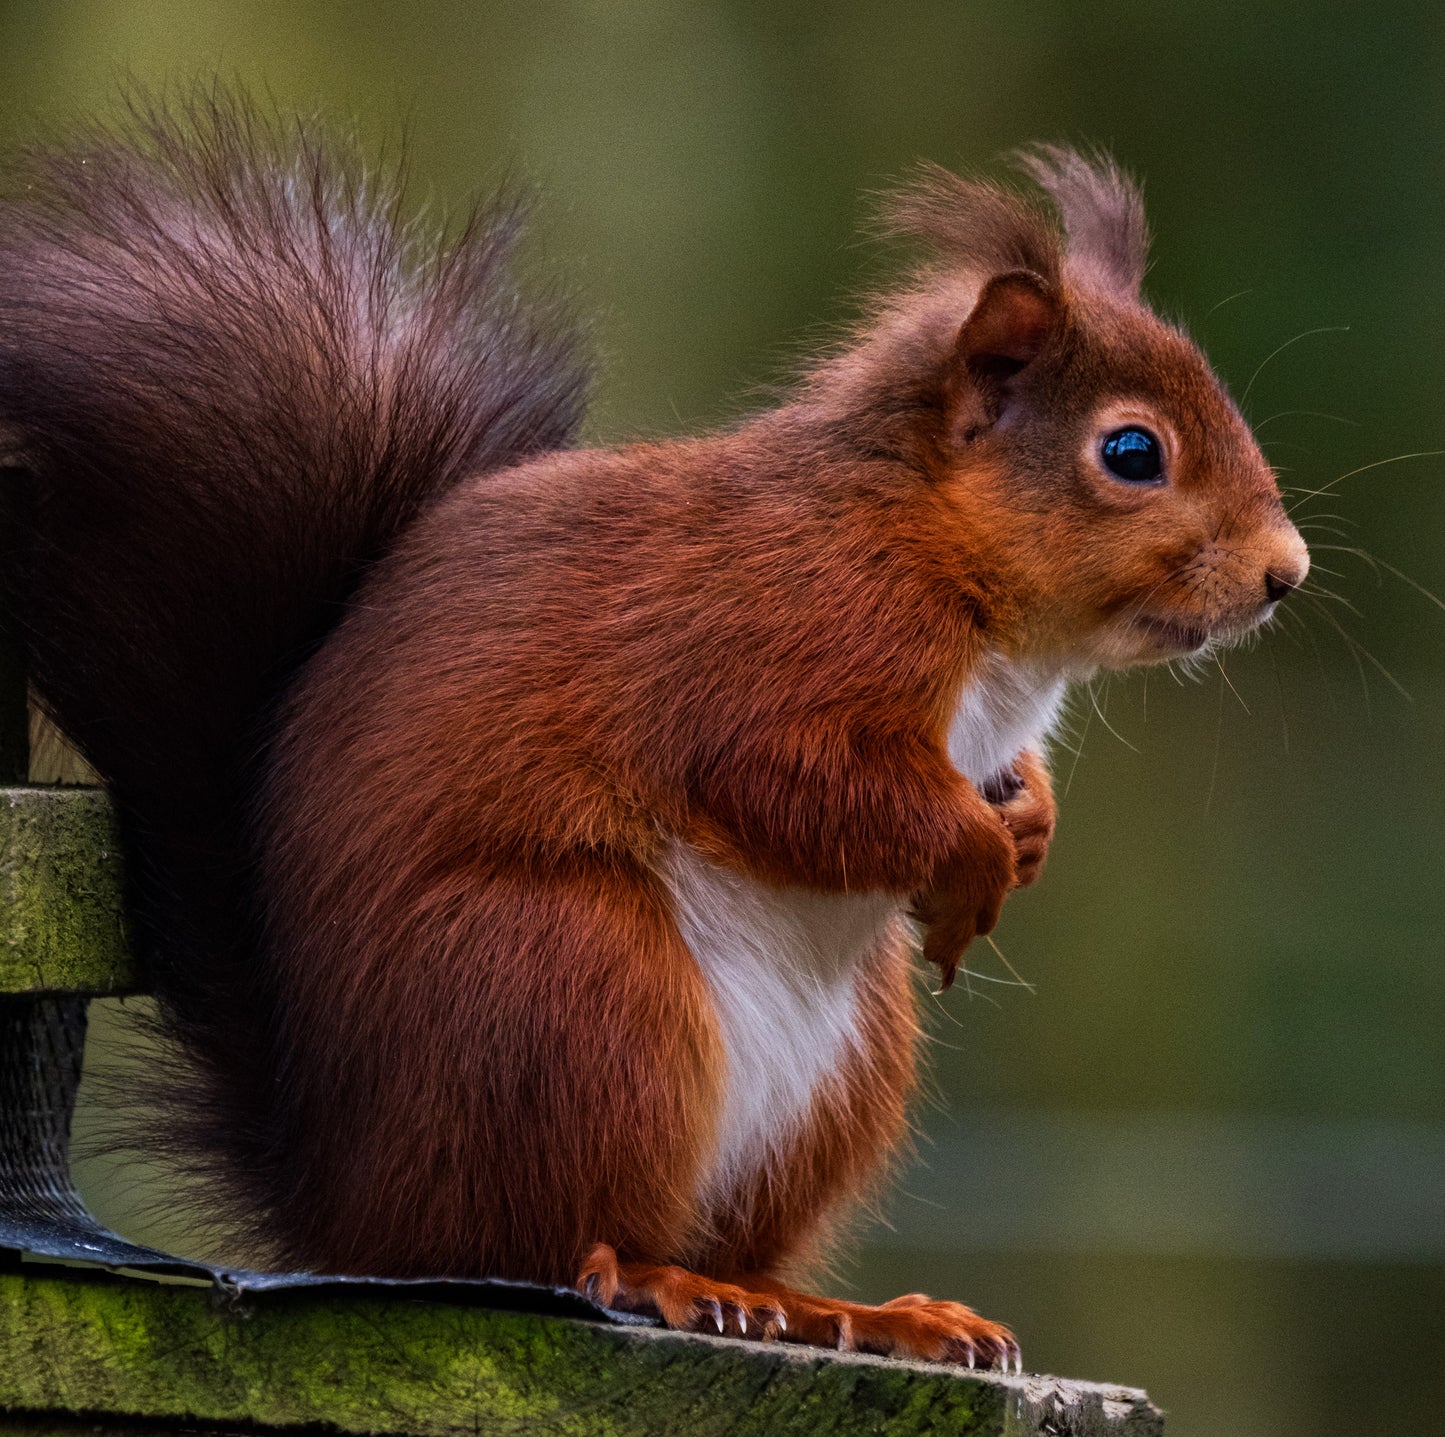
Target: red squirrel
[[526, 839]]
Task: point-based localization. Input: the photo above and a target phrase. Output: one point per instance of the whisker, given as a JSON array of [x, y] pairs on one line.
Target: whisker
[[937, 995], [1238, 294], [1360, 651], [1291, 617], [1324, 329], [1302, 494], [1018, 979], [1094, 699], [1365, 468], [1307, 414], [967, 974], [1316, 517], [1379, 566], [1279, 691], [1393, 459], [1313, 526], [1403, 577], [1079, 751], [1318, 591], [1376, 566], [1219, 664]]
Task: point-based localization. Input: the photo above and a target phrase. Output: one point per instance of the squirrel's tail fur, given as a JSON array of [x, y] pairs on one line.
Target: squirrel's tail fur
[[230, 375]]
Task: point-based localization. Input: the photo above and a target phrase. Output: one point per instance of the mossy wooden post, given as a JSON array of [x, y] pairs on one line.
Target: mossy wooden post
[[42, 1030], [367, 1364]]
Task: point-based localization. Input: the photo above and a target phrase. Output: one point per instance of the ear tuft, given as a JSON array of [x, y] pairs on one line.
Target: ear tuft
[[973, 222], [1102, 210]]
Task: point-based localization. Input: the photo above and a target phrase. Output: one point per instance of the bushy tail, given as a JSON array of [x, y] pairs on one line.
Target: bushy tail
[[232, 375]]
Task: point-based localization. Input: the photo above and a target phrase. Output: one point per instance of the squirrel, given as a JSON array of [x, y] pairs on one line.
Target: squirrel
[[525, 838]]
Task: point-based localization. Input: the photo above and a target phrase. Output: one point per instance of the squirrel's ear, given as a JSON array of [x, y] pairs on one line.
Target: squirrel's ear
[[1015, 316]]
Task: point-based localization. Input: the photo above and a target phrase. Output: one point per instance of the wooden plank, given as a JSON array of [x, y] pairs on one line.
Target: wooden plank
[[62, 916], [138, 1351]]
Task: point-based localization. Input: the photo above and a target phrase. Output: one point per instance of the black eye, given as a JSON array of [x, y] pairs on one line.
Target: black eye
[[1133, 455]]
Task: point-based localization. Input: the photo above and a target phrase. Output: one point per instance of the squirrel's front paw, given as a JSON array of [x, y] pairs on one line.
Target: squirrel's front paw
[[966, 895], [1024, 798]]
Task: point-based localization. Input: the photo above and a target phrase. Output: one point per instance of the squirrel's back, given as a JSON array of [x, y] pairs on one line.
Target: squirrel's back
[[231, 374]]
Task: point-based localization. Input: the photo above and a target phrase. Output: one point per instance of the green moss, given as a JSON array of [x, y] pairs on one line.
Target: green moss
[[368, 1364], [62, 916]]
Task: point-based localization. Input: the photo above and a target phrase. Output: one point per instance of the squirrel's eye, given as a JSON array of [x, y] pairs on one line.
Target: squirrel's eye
[[1133, 455]]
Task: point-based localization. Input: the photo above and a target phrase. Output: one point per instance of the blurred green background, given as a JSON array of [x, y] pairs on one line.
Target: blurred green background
[[1207, 1153]]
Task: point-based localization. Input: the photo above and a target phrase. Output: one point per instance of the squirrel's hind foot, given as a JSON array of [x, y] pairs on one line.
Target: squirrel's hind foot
[[680, 1298], [915, 1326]]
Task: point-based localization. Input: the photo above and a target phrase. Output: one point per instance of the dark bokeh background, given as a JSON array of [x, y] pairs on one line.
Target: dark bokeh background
[[1207, 1153]]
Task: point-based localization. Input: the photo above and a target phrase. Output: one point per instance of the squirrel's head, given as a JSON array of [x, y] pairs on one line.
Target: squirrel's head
[[1075, 443]]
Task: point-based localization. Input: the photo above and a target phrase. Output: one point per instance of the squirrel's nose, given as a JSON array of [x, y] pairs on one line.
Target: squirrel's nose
[[1287, 571]]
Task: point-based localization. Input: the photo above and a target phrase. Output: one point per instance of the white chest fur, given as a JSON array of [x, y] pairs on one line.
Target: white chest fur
[[1006, 707], [783, 963]]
